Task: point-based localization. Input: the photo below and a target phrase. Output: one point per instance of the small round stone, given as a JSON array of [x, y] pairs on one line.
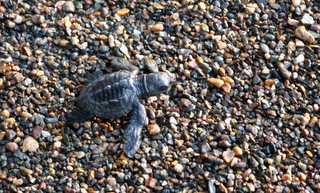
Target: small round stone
[[237, 150], [38, 19], [5, 113], [11, 121], [36, 131], [264, 48], [296, 3], [154, 129], [68, 6], [112, 181], [12, 146], [57, 145], [178, 168], [286, 178], [157, 27], [226, 87]]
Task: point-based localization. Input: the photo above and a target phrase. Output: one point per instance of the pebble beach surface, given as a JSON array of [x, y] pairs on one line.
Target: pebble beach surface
[[242, 116]]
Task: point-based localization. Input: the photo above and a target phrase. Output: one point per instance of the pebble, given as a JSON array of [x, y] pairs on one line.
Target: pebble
[[26, 171], [286, 74], [228, 156], [296, 3], [57, 145], [303, 34], [5, 113], [151, 65], [44, 133], [154, 129], [151, 182], [264, 48], [11, 121], [178, 168], [38, 19], [237, 150], [298, 59], [30, 144], [202, 6], [69, 7], [286, 178], [157, 27], [226, 87], [216, 82], [26, 115], [123, 11], [12, 146], [307, 19], [10, 134], [111, 181], [18, 182]]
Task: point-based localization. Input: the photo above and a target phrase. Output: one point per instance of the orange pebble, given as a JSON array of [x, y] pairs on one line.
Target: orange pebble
[[123, 11]]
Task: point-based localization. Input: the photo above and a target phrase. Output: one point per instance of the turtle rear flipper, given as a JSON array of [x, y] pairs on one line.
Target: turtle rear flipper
[[78, 116], [132, 133]]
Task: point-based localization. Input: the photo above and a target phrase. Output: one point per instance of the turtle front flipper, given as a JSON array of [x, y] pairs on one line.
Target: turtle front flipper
[[132, 133], [123, 64]]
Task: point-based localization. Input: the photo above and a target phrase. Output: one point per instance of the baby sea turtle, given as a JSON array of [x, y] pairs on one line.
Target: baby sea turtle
[[113, 95]]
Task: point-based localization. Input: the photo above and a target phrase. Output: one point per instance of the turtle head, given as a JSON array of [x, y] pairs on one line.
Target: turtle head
[[157, 83]]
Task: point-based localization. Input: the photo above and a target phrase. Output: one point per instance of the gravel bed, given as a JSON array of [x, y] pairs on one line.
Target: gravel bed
[[242, 116]]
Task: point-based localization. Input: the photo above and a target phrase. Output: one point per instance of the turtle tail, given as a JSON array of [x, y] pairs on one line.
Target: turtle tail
[[78, 116]]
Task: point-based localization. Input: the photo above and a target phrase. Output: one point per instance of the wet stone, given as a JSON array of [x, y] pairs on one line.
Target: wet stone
[[151, 65]]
